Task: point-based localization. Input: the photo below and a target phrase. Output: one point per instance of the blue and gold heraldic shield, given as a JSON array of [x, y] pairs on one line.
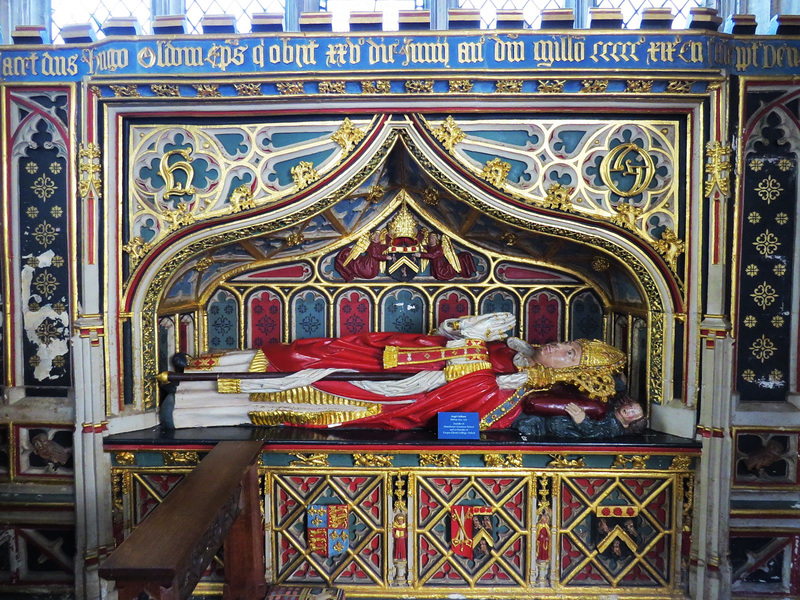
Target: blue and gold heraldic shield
[[328, 529]]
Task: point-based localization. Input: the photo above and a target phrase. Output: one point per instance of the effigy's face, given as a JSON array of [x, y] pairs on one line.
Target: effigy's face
[[559, 355], [630, 412]]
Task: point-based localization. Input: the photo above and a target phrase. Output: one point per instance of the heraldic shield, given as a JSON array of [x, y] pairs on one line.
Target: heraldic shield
[[471, 531], [327, 529]]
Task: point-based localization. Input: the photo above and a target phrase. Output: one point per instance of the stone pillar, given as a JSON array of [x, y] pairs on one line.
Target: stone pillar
[[710, 565], [93, 504]]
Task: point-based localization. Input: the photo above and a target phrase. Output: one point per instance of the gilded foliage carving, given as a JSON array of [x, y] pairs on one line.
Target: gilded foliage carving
[[552, 87], [126, 91], [165, 90], [449, 134], [248, 89], [348, 136], [304, 174], [718, 167], [419, 86], [508, 86], [495, 172]]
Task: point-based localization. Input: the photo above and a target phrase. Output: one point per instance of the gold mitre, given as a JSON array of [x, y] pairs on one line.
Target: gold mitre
[[594, 375], [595, 353], [403, 225]]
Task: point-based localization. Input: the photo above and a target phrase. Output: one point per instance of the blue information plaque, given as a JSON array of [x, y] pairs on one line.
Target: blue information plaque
[[459, 426]]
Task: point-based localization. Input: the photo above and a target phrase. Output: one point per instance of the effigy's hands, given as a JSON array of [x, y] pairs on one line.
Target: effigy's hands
[[576, 413]]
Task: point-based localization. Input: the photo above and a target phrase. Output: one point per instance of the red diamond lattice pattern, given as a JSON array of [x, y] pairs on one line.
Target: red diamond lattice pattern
[[364, 562], [584, 564], [438, 566]]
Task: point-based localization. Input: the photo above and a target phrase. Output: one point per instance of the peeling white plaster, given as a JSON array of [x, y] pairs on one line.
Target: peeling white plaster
[[31, 320]]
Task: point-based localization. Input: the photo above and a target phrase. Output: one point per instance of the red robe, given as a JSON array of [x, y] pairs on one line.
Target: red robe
[[475, 392]]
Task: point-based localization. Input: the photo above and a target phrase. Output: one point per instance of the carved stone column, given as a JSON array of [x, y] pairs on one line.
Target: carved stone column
[[710, 566], [93, 472]]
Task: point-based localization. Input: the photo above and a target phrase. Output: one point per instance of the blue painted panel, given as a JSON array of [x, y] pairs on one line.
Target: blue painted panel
[[404, 311], [223, 322], [499, 302], [309, 315]]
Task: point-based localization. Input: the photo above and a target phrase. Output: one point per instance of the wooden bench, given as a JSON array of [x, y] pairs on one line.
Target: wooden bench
[[217, 504]]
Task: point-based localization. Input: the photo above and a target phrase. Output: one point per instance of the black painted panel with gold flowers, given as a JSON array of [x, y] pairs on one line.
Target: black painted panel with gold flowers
[[43, 194], [766, 260]]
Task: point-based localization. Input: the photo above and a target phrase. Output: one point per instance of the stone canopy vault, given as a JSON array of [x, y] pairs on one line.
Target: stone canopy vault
[[579, 220]]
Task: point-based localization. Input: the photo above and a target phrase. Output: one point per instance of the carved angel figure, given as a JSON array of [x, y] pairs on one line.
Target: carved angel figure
[[364, 259], [445, 263]]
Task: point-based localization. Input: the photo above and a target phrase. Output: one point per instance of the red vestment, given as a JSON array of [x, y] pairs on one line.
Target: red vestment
[[365, 266], [474, 392]]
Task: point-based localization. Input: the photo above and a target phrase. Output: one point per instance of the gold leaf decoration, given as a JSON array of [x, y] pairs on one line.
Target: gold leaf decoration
[[594, 86], [560, 461], [380, 86], [315, 459], [764, 295], [638, 462], [419, 86], [165, 90], [639, 86], [291, 87], [680, 463], [762, 349], [89, 167], [509, 461], [373, 460], [179, 457], [209, 90], [718, 167], [600, 264], [242, 199], [331, 87], [767, 243], [460, 86], [449, 134], [670, 247], [179, 217], [558, 196], [508, 86], [509, 238], [679, 87], [769, 189], [126, 91], [136, 248], [375, 193], [495, 172], [248, 89], [295, 239], [348, 136], [552, 87], [439, 460], [304, 174]]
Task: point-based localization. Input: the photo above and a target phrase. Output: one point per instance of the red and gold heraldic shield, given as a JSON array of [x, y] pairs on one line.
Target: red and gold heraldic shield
[[471, 531]]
